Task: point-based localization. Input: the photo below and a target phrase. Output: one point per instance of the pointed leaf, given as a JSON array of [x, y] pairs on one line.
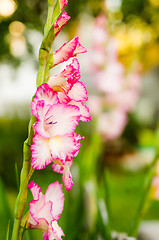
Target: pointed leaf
[[7, 235]]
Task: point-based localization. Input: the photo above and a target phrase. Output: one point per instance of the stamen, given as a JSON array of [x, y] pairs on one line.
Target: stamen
[[51, 122]]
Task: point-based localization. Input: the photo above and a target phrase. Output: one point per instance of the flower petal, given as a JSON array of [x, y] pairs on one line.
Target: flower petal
[[35, 189], [78, 92], [55, 195], [64, 147], [61, 21], [54, 232], [61, 119], [65, 80], [41, 156], [62, 4], [57, 231], [67, 177], [68, 50], [38, 126], [84, 110], [45, 93]]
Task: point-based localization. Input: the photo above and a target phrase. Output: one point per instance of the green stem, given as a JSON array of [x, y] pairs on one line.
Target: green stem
[[146, 188], [24, 178], [49, 19]]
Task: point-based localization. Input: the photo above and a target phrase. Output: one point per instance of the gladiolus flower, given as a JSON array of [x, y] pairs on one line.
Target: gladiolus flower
[[45, 210], [66, 79], [70, 90], [61, 21], [54, 139], [68, 50]]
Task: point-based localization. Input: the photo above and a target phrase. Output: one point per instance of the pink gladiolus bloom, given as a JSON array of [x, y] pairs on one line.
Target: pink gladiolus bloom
[[66, 79], [54, 139], [70, 90], [54, 134], [62, 4], [110, 80], [45, 210], [111, 124], [61, 21], [68, 50]]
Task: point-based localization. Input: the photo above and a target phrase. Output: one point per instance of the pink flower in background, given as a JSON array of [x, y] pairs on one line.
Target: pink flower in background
[[45, 210], [60, 22], [118, 90], [110, 80], [111, 124], [68, 50]]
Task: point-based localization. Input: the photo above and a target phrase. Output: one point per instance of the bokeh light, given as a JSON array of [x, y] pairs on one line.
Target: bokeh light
[[7, 8]]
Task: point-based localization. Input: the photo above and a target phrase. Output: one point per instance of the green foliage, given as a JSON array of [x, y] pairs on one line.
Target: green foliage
[[13, 133]]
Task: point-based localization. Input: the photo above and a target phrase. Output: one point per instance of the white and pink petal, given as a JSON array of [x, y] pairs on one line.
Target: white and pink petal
[[41, 155], [78, 92], [35, 190], [55, 194], [68, 50], [64, 147], [61, 21], [61, 119], [67, 177], [84, 110], [46, 94]]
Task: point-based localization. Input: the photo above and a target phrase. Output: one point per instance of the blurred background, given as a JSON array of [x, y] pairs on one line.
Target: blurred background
[[121, 70]]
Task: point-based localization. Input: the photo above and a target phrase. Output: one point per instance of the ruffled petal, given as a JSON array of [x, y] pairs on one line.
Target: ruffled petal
[[57, 231], [67, 177], [41, 155], [46, 94], [34, 207], [61, 21], [35, 189], [78, 92], [55, 195], [68, 50], [38, 126], [64, 147], [61, 119], [65, 80], [45, 213], [54, 232], [84, 110]]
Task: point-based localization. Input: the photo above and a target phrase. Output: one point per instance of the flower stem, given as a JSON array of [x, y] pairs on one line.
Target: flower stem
[[24, 178], [49, 19]]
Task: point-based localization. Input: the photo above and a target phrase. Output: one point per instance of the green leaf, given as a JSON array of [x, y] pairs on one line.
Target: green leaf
[[7, 235], [24, 231]]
